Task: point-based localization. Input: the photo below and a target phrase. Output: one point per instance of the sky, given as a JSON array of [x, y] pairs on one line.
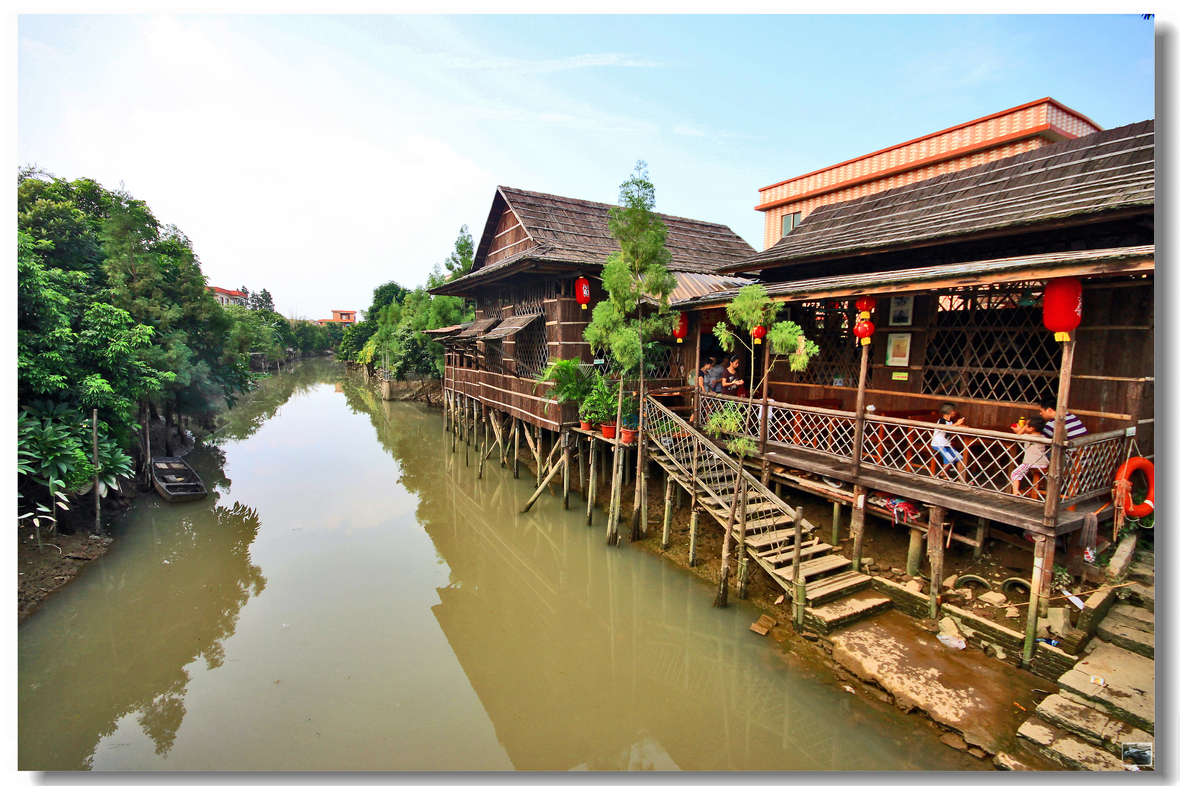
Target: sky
[[322, 156]]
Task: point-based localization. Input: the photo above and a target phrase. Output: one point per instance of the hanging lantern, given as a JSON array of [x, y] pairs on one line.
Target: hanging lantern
[[680, 330], [1063, 306], [864, 330], [866, 303], [758, 333], [582, 291]]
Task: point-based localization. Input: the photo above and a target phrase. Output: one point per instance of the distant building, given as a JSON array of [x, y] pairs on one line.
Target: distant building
[[1000, 135], [227, 296], [344, 318]]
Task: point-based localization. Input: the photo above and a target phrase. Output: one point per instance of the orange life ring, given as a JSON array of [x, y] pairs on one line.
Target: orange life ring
[[1138, 464]]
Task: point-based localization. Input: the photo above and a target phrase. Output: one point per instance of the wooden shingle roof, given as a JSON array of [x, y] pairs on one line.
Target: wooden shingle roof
[[575, 232], [1096, 174]]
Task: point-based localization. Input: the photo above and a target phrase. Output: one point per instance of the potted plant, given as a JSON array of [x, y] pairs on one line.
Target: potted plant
[[599, 404], [630, 421]]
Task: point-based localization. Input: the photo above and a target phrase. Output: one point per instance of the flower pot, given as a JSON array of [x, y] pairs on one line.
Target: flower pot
[[586, 426], [629, 435], [608, 430]]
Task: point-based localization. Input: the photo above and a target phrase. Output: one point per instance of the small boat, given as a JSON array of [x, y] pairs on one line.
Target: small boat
[[176, 481]]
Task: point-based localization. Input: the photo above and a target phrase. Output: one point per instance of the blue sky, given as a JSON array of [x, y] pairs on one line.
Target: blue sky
[[321, 156]]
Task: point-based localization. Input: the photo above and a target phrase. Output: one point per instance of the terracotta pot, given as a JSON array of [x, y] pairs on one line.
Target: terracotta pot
[[629, 435], [608, 431], [586, 426]]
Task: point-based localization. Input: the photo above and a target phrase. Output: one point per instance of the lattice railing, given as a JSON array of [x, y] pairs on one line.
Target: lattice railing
[[1090, 466], [814, 429]]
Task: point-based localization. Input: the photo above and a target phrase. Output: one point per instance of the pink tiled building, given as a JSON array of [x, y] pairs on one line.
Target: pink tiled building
[[1007, 133]]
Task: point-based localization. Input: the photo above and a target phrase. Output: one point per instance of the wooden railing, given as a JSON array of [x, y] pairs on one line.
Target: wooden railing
[[976, 459]]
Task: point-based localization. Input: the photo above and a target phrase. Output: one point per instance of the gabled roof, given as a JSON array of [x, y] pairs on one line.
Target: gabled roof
[[575, 233], [1073, 180]]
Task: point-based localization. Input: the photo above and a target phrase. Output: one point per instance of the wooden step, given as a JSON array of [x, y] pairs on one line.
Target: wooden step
[[787, 556], [815, 567], [829, 588], [765, 540]]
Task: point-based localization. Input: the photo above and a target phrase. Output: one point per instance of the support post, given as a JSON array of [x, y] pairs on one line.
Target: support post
[[556, 468], [722, 599], [97, 472], [765, 411], [592, 486], [798, 583], [1038, 577], [935, 548], [858, 524], [515, 448], [565, 474], [743, 557], [582, 465], [665, 540], [692, 535], [1053, 481], [858, 434], [980, 536], [913, 560], [835, 523]]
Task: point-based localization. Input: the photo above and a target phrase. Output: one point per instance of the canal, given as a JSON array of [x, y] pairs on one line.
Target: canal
[[351, 597]]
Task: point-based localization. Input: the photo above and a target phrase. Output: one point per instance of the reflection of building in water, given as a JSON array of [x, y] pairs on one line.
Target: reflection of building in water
[[541, 616]]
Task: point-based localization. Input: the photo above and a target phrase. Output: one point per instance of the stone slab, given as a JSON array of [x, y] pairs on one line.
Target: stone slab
[[1129, 689], [1068, 749], [1142, 595], [1092, 725], [1120, 561], [965, 690], [846, 610], [1130, 627]]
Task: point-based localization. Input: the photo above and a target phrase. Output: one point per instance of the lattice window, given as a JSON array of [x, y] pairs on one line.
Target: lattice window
[[663, 362], [493, 356], [829, 324], [532, 349], [988, 342]]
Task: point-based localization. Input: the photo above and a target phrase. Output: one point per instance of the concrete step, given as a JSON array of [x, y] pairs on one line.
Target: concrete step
[[1129, 627], [1142, 595], [1092, 725], [1068, 750], [1024, 756], [830, 588], [845, 611], [1128, 689], [1142, 570]]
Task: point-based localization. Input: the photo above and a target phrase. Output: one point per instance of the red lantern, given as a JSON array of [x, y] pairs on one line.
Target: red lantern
[[681, 328], [866, 303], [1063, 306], [582, 291], [864, 330], [758, 333]]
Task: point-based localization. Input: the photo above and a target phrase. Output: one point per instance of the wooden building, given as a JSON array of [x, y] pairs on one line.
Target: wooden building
[[532, 250], [958, 265]]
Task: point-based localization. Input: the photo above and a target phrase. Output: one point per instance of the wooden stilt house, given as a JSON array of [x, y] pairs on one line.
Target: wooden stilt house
[[532, 250]]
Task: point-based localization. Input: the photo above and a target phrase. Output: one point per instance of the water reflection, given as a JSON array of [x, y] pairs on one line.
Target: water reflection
[[118, 643], [359, 600]]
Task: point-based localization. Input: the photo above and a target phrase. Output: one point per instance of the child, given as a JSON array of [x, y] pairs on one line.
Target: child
[[1034, 454], [940, 442]]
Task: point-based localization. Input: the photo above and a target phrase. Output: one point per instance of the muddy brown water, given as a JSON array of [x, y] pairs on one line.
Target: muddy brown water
[[351, 597]]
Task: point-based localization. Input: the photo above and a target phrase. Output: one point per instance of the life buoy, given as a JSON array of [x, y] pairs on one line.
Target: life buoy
[[1138, 464]]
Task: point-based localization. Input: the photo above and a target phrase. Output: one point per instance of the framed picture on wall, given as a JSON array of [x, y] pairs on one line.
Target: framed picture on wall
[[897, 350], [901, 311]]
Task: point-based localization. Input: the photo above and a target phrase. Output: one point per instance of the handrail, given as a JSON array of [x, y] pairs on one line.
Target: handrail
[[973, 432], [776, 403]]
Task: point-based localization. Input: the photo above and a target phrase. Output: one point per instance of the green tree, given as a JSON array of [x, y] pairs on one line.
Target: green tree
[[753, 308], [636, 273], [459, 262]]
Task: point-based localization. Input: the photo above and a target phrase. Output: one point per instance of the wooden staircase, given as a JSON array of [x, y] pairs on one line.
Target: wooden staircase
[[710, 476]]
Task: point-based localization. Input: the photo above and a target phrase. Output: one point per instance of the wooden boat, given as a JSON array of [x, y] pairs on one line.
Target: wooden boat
[[176, 481]]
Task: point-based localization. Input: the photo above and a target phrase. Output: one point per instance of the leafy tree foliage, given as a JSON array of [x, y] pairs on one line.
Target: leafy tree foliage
[[753, 307], [459, 262]]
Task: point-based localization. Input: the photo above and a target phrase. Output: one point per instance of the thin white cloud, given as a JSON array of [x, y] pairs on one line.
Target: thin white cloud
[[544, 66]]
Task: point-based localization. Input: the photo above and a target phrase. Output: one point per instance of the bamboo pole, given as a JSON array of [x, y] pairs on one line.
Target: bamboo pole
[[552, 472], [692, 536], [765, 413], [913, 562], [612, 525], [1038, 577], [582, 464], [743, 557], [858, 434], [484, 444], [835, 523], [639, 508], [665, 540], [722, 599], [592, 485], [858, 524], [97, 472], [516, 447]]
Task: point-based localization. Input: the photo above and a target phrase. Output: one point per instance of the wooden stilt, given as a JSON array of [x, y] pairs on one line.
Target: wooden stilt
[[466, 435], [981, 533], [515, 448], [552, 472], [665, 540], [592, 485], [1040, 547], [935, 548], [858, 524], [692, 536], [858, 431], [1046, 589], [549, 458], [722, 599], [798, 583], [581, 465], [565, 475], [835, 523], [913, 562], [744, 558]]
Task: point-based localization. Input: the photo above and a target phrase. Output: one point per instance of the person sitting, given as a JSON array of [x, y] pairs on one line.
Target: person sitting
[[1035, 455], [1073, 426], [941, 442], [731, 384]]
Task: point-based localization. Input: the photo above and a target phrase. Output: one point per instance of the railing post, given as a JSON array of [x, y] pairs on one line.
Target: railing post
[[1057, 450], [934, 546], [743, 557], [858, 524], [1038, 578], [765, 411]]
